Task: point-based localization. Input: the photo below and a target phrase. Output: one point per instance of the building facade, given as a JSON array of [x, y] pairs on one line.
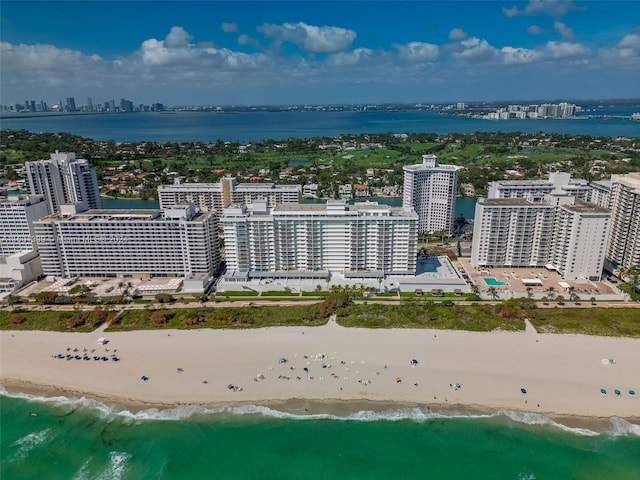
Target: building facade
[[176, 242], [560, 232], [215, 197], [364, 239], [558, 183], [600, 193], [624, 243], [431, 190], [64, 179], [17, 215]]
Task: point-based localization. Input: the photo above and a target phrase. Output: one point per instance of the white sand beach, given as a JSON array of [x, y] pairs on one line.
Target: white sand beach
[[562, 374]]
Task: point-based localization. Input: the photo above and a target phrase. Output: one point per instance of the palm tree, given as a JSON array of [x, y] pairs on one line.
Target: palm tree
[[551, 292], [570, 291], [529, 292], [475, 289], [493, 292]]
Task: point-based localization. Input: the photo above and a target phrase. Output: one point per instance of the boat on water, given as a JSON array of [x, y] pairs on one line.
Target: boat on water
[[635, 117]]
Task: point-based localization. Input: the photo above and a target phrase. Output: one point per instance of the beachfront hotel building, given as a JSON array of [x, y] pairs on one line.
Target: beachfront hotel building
[[64, 179], [365, 240], [431, 190], [177, 242], [17, 215], [623, 250], [215, 197], [559, 232]]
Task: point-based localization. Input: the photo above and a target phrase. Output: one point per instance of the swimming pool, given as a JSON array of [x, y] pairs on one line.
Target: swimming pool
[[492, 282]]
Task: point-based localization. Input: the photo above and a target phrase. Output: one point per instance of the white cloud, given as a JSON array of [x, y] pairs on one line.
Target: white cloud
[[229, 27], [563, 30], [553, 8], [564, 51], [476, 50], [244, 39], [177, 37], [418, 52], [310, 38], [511, 55], [457, 34], [535, 30], [353, 58], [626, 50]]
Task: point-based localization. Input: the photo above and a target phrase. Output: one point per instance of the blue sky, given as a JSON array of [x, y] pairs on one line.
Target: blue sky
[[253, 53]]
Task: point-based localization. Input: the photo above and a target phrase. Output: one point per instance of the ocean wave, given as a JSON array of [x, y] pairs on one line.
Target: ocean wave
[[28, 443], [530, 418], [619, 426], [115, 470]]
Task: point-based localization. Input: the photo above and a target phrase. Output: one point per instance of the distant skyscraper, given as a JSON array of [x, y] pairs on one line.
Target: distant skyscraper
[[431, 189], [126, 105], [64, 179], [71, 104], [89, 104], [624, 244]]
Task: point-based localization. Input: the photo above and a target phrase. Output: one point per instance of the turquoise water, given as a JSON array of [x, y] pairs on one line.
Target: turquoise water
[[83, 440], [492, 282]]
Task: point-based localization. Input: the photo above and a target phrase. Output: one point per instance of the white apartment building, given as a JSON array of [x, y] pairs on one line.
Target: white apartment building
[[511, 232], [176, 242], [600, 193], [17, 214], [310, 240], [558, 183], [215, 197], [580, 233], [64, 179], [624, 243], [431, 190], [561, 232]]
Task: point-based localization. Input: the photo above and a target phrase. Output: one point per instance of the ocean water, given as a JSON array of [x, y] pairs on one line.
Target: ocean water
[[80, 439], [257, 126]]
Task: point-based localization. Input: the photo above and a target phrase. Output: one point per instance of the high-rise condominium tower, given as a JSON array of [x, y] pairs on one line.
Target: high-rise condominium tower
[[64, 179], [624, 243], [430, 189]]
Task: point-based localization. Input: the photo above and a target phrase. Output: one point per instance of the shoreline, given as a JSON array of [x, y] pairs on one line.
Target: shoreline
[[334, 370], [356, 409]]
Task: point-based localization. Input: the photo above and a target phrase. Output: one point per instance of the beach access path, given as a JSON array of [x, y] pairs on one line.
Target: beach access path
[[562, 374]]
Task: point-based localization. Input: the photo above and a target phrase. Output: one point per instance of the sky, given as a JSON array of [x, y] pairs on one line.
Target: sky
[[318, 52]]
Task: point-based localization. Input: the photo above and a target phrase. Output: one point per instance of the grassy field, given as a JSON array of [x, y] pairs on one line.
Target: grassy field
[[67, 321], [610, 322], [245, 317], [481, 318], [621, 322]]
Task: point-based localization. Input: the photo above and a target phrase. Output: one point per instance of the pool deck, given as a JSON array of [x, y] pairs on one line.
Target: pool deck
[[515, 288]]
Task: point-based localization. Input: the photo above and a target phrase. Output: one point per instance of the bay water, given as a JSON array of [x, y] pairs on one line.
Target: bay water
[[257, 126]]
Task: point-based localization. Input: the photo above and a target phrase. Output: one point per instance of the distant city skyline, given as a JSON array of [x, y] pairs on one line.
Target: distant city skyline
[[265, 53]]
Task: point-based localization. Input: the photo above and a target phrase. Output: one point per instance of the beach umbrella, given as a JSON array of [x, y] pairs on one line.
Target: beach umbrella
[[632, 393], [603, 391], [414, 362], [306, 369], [616, 391], [398, 380], [523, 390], [282, 360]]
